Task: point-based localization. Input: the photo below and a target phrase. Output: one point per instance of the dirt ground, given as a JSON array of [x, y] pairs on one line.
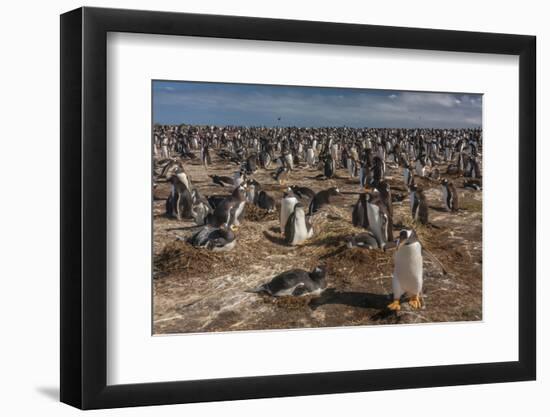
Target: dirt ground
[[196, 290]]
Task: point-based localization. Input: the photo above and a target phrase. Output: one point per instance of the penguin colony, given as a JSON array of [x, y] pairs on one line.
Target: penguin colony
[[441, 157]]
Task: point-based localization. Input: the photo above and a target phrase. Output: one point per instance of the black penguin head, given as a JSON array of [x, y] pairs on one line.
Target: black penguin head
[[318, 273], [405, 236], [334, 191], [444, 181]]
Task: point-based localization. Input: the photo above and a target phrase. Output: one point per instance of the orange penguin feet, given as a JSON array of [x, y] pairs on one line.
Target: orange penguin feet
[[415, 302]]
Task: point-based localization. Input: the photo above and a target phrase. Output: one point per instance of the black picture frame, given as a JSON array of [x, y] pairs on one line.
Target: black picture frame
[[84, 207]]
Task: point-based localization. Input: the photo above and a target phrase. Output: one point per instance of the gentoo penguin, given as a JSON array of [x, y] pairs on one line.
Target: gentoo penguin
[[229, 210], [281, 175], [205, 156], [223, 180], [385, 195], [213, 238], [359, 216], [379, 219], [295, 282], [265, 159], [419, 205], [450, 196], [179, 203], [378, 169], [183, 177], [329, 167], [288, 161], [298, 228], [310, 157], [364, 174], [265, 201], [420, 167], [302, 192], [238, 178], [365, 240], [407, 271], [408, 177], [321, 199], [200, 207], [250, 164], [288, 202]]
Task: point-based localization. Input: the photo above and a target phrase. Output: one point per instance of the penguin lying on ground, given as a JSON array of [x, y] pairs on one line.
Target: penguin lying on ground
[[366, 240], [222, 180], [295, 282], [213, 238]]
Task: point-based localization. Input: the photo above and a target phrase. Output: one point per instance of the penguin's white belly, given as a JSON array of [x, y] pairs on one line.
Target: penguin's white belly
[[183, 178], [238, 212], [300, 231], [310, 157], [375, 224], [287, 207], [408, 268]]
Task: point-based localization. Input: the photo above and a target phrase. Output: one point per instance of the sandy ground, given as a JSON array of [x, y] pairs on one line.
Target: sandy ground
[[196, 290]]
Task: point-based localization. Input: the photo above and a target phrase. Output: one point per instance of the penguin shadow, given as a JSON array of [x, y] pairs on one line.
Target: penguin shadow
[[438, 209], [275, 239], [351, 299]]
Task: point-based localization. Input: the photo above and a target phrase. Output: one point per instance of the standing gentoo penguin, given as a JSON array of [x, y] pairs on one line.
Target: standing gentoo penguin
[[450, 196], [408, 177], [298, 228], [359, 215], [295, 282], [288, 202], [229, 210], [407, 271], [419, 205]]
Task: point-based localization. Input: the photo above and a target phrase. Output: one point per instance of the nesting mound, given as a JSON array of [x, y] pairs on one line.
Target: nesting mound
[[182, 257], [254, 213]]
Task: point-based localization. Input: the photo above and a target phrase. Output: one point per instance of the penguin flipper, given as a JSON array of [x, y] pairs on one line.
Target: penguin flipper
[[299, 290]]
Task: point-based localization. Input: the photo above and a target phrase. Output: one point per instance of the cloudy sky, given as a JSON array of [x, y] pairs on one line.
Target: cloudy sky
[[263, 105]]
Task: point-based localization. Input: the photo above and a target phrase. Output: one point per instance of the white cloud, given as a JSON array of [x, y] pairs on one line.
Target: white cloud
[[300, 107]]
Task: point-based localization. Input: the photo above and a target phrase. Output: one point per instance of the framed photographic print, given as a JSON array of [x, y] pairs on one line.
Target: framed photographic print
[[257, 208]]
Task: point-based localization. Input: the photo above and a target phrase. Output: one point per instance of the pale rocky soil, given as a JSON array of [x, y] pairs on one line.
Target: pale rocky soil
[[200, 291]]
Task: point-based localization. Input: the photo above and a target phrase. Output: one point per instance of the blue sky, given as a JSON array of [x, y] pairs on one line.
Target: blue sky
[[262, 105]]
